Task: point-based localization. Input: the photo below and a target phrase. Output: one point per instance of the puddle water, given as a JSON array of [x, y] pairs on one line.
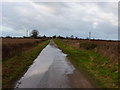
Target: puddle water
[[49, 70]]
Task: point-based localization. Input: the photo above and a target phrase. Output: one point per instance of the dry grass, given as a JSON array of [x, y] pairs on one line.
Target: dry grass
[[106, 48], [12, 47], [18, 41]]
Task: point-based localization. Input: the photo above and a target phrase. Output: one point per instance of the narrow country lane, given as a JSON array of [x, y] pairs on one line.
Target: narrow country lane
[[51, 69]]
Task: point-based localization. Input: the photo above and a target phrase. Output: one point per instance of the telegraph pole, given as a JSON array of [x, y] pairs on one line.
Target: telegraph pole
[[89, 35], [27, 33]]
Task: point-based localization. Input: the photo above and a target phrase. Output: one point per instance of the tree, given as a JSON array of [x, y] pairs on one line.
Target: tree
[[34, 33], [8, 37], [54, 36], [76, 37], [44, 36], [72, 36]]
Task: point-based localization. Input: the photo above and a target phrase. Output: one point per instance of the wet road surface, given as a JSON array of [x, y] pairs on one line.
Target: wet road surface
[[49, 70]]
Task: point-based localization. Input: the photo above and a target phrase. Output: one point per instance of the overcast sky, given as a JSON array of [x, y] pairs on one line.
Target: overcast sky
[[61, 18]]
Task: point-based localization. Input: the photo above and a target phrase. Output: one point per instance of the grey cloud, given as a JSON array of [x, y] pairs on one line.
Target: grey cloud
[[59, 19]]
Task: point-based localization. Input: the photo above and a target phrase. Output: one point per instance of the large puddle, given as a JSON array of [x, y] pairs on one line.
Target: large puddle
[[49, 70]]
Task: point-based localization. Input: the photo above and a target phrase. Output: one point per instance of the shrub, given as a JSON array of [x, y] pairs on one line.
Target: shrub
[[88, 45]]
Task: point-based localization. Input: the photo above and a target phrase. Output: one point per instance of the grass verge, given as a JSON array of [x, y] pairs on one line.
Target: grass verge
[[97, 67], [16, 66]]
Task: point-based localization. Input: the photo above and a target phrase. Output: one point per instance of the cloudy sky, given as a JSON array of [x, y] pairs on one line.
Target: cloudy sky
[[61, 18]]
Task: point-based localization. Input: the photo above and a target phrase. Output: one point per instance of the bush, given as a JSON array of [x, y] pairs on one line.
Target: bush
[[88, 45]]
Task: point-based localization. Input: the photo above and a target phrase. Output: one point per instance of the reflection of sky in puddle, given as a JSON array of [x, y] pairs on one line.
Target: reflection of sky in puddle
[[36, 72]]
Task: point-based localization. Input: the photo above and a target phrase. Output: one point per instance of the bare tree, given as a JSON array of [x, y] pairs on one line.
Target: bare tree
[[34, 33], [72, 36]]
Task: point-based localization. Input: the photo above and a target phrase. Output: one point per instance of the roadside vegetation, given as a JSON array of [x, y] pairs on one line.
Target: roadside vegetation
[[88, 46], [11, 47], [106, 48], [102, 70], [16, 65]]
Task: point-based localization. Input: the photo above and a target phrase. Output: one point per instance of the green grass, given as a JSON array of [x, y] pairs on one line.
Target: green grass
[[16, 66], [98, 68]]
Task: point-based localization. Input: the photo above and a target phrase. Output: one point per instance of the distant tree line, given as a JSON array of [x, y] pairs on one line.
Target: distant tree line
[[35, 34]]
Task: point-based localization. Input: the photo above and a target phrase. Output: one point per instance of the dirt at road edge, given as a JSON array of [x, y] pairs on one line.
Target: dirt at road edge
[[79, 80]]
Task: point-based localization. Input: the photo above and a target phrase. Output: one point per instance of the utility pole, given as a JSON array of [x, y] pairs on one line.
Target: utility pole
[[89, 35], [27, 33]]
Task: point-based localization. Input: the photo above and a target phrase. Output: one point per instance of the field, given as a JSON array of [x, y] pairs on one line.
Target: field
[[106, 48], [22, 57], [97, 59], [12, 47]]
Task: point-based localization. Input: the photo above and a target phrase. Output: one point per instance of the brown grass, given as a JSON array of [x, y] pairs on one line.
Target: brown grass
[[106, 48], [12, 47]]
